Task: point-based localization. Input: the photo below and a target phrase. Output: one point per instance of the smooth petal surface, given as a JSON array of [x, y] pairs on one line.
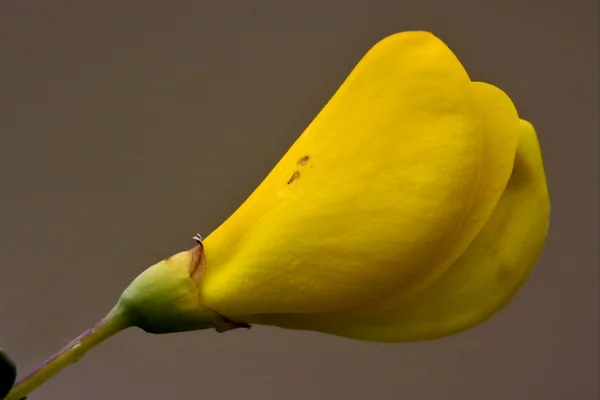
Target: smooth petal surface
[[380, 194], [500, 126], [482, 281]]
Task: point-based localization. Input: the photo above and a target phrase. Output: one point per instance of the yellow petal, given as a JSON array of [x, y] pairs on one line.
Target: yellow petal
[[500, 125], [379, 194], [482, 281]]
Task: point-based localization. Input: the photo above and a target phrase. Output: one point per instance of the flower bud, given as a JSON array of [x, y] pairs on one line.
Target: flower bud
[[412, 207]]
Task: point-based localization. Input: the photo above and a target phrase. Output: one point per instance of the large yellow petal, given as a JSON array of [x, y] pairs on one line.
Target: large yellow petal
[[377, 195], [500, 125], [482, 281]]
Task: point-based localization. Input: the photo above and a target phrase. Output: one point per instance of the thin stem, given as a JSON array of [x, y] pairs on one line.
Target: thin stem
[[114, 322]]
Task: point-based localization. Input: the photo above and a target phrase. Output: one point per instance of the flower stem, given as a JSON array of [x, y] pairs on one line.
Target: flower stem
[[114, 322]]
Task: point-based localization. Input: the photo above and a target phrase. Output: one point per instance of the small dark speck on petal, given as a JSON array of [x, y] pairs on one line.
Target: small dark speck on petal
[[303, 160], [294, 177]]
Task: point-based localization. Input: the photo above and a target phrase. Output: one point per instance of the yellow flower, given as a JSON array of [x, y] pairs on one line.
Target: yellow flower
[[413, 207]]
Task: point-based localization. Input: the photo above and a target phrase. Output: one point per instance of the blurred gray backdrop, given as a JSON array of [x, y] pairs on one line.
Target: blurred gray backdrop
[[127, 127]]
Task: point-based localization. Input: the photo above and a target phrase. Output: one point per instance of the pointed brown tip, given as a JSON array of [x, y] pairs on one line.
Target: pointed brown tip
[[198, 262]]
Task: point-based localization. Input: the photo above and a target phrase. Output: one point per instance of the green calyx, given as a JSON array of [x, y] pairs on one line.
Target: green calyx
[[165, 298]]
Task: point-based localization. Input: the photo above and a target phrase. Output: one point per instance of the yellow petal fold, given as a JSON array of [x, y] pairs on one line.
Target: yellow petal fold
[[480, 283], [379, 195]]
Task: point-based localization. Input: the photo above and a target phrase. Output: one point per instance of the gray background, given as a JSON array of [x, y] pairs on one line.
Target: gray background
[[127, 127]]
